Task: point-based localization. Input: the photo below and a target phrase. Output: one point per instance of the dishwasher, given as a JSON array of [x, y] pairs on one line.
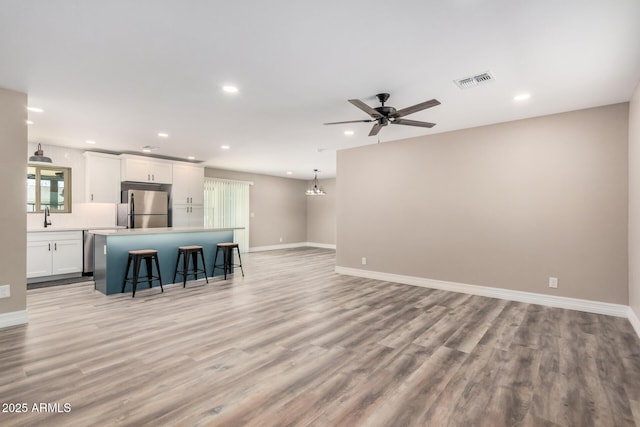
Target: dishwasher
[[88, 248]]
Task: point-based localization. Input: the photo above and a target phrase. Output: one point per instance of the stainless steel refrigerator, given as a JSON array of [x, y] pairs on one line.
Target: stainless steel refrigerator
[[144, 209]]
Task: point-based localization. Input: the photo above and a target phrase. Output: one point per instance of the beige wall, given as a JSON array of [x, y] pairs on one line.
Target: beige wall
[[506, 205], [13, 166], [279, 206], [634, 202], [321, 214]]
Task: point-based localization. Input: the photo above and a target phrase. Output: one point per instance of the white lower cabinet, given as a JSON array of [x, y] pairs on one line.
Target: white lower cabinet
[[54, 253], [187, 216]]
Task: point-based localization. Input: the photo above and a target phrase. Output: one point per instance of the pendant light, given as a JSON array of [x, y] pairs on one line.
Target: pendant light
[[316, 190], [39, 156]]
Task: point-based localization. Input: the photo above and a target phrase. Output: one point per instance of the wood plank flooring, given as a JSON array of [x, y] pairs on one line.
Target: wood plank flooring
[[294, 344]]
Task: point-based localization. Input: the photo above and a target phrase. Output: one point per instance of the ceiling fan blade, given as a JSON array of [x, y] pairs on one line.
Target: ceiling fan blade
[[415, 108], [349, 121], [375, 129], [413, 123], [364, 107]]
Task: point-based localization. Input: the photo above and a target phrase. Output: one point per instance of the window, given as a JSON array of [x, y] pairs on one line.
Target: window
[[227, 205], [48, 187]]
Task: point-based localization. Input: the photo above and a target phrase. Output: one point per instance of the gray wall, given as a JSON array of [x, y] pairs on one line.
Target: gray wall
[[506, 205], [321, 214], [279, 206], [13, 221], [634, 202]]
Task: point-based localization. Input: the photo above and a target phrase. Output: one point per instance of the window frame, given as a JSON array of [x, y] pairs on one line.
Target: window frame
[[38, 207]]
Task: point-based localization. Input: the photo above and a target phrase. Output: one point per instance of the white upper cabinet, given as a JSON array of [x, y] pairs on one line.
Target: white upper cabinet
[[188, 185], [102, 178], [138, 169]]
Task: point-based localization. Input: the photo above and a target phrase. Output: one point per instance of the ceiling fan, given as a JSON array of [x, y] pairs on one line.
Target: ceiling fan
[[384, 114]]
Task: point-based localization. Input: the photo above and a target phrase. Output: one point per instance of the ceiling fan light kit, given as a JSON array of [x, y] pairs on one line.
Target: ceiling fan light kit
[[385, 115], [316, 190]]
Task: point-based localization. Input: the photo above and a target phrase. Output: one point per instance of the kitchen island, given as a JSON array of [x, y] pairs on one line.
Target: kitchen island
[[112, 252]]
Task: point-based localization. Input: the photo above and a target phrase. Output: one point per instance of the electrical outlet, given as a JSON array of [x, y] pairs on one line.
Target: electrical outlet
[[553, 282], [5, 291], [364, 260]]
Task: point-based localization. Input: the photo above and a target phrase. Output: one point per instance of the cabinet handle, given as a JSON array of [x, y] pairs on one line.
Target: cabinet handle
[[49, 247], [92, 197], [153, 177], [55, 246]]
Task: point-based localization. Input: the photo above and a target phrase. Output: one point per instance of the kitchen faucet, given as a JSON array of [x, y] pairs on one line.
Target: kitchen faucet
[[47, 214]]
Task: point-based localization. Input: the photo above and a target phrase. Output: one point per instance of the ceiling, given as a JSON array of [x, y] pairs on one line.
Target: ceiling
[[118, 72]]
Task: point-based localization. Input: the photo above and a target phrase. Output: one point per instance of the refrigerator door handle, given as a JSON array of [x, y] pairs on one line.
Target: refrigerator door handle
[[132, 211]]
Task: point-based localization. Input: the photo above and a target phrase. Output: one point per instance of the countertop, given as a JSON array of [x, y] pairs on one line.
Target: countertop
[[55, 228], [162, 230]]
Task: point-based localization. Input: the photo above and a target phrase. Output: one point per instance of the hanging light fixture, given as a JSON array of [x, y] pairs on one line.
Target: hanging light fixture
[[39, 156], [316, 190]]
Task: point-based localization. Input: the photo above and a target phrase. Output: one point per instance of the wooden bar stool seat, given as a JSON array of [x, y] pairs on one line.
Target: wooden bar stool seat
[[135, 258], [227, 254], [192, 252]]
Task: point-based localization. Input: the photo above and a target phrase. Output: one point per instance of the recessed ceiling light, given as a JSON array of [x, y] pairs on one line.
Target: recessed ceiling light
[[225, 147], [163, 135], [348, 132], [191, 158], [522, 97], [90, 141], [230, 89], [146, 150], [35, 109], [29, 122], [289, 173]]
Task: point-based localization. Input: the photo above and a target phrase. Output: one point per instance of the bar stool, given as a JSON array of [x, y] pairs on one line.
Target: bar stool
[[136, 257], [227, 253], [185, 252]]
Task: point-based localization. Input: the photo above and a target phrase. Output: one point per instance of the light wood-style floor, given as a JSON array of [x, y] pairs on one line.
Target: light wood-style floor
[[293, 343]]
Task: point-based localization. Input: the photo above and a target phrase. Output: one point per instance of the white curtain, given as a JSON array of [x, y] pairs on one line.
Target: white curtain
[[226, 204]]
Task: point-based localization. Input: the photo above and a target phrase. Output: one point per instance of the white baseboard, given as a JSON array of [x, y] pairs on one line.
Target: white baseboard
[[321, 245], [13, 318], [635, 322], [276, 247], [291, 245], [588, 306]]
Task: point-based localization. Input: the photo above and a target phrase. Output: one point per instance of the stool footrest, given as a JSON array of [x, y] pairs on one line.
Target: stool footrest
[[136, 257], [227, 253], [192, 252]]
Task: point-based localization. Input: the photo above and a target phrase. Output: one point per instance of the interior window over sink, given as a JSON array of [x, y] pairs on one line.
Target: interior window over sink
[[48, 187]]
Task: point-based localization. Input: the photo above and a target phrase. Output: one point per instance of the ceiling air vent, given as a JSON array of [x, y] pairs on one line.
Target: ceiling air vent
[[476, 80]]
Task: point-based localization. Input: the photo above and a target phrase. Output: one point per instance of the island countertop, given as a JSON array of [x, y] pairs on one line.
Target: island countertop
[[160, 230], [111, 251]]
